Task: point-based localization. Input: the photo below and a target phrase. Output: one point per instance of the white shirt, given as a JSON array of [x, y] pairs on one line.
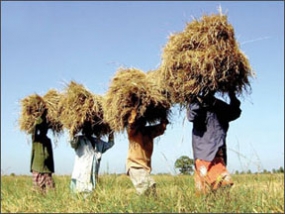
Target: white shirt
[[87, 160]]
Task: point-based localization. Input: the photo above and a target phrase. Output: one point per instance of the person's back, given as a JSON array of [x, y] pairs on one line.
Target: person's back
[[210, 125], [140, 151], [42, 155], [211, 117], [141, 144], [88, 150], [42, 162]]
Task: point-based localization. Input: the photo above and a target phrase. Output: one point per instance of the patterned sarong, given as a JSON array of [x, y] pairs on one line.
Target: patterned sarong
[[43, 180]]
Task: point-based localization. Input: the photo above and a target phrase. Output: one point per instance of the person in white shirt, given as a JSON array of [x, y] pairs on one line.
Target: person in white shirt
[[88, 150]]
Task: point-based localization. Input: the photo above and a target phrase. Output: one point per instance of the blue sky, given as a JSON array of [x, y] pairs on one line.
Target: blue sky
[[45, 44]]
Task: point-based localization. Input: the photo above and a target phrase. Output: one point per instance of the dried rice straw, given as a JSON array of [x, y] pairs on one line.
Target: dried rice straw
[[204, 56], [32, 107], [132, 89], [79, 106], [52, 99]]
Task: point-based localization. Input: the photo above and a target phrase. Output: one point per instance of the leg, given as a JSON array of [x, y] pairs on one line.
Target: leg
[[38, 181], [201, 177], [49, 182], [73, 185], [220, 177], [142, 180], [211, 175]]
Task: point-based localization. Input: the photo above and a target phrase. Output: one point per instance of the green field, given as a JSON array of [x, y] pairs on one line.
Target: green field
[[254, 193]]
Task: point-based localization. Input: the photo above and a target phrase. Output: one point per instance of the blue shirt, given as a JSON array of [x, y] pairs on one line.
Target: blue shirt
[[210, 126]]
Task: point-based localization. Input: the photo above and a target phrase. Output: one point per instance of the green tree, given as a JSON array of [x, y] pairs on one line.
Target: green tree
[[185, 165]]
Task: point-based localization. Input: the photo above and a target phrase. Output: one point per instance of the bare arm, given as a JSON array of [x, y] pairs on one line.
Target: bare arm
[[132, 125], [158, 129]]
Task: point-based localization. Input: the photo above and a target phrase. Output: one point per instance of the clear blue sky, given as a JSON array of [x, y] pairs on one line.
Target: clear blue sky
[[44, 44]]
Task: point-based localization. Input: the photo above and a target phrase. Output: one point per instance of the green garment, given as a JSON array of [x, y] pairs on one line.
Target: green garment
[[42, 155]]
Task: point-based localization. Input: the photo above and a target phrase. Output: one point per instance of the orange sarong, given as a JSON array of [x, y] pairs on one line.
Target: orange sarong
[[211, 175]]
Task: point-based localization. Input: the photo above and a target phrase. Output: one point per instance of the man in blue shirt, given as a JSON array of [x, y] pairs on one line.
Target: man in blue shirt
[[210, 117]]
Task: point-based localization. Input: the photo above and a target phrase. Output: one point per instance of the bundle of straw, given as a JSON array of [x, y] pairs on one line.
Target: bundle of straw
[[156, 80], [52, 99], [131, 89], [79, 106], [32, 108], [204, 56]]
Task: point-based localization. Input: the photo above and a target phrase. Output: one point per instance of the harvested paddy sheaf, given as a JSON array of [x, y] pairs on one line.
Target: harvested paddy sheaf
[[52, 99], [132, 89], [79, 106], [205, 56], [32, 108]]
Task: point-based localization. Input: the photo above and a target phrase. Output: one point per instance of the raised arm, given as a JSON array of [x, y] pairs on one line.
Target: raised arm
[[132, 125], [109, 144], [74, 142], [158, 129], [228, 112], [234, 100]]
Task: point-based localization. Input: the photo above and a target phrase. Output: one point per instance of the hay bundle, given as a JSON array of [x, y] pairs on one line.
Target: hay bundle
[[79, 106], [32, 107], [156, 80], [204, 56], [154, 77], [131, 89], [52, 99]]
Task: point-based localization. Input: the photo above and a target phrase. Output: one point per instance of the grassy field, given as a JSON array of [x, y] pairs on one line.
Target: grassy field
[[255, 193]]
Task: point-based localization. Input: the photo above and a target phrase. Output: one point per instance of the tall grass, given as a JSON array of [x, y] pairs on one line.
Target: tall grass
[[261, 193]]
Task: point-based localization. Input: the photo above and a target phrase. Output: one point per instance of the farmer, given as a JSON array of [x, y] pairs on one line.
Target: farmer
[[88, 150], [42, 163], [211, 117], [140, 151]]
